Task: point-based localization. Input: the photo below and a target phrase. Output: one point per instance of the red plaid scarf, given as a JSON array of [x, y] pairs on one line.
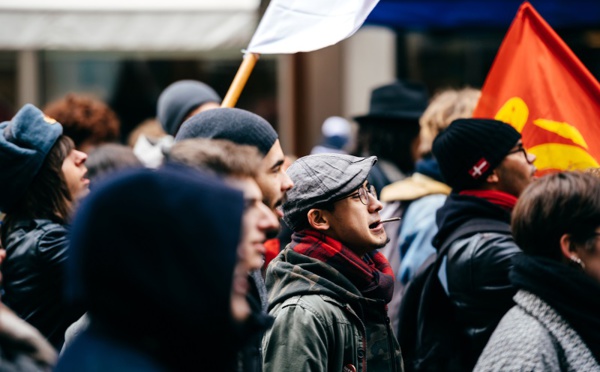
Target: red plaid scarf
[[372, 274]]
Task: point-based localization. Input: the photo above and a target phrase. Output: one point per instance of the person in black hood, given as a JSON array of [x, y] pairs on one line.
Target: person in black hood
[[485, 164], [238, 165], [153, 258]]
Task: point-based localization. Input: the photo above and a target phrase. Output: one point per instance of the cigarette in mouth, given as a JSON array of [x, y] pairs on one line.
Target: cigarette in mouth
[[390, 219]]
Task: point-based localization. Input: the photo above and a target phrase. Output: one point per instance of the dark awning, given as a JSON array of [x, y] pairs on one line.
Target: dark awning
[[449, 14]]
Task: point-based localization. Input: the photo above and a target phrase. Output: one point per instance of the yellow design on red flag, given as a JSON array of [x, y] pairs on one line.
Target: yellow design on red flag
[[540, 87]]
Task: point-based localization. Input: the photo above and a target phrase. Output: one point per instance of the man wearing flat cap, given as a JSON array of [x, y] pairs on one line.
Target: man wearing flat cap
[[329, 288]]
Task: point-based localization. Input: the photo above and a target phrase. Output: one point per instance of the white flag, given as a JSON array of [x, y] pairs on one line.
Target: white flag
[[291, 26]]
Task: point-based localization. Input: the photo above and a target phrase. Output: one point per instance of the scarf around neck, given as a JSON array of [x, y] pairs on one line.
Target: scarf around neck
[[569, 291], [371, 274], [499, 198]]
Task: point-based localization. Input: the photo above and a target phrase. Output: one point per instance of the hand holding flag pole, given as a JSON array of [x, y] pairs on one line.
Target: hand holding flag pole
[[290, 26]]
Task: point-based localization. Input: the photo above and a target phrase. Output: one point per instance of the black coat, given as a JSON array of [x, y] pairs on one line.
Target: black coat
[[33, 277], [477, 269]]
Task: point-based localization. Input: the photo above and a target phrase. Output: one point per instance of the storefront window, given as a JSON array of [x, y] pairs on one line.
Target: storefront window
[[131, 83]]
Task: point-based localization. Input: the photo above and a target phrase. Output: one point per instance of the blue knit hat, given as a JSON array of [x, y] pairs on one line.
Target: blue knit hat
[[179, 99], [24, 144], [233, 124]]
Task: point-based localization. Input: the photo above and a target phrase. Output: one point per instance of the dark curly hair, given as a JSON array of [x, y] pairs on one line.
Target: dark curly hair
[[86, 120]]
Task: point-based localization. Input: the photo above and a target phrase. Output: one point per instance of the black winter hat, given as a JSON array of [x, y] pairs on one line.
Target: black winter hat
[[233, 124], [398, 101], [470, 149], [179, 99]]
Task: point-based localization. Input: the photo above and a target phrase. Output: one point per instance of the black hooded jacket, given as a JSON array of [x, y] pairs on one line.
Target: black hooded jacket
[[153, 255], [477, 268]]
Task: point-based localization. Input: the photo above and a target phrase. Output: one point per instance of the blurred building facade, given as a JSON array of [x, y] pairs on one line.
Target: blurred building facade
[[126, 52]]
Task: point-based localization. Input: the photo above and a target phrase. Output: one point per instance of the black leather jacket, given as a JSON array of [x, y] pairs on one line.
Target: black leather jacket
[[477, 269], [33, 276]]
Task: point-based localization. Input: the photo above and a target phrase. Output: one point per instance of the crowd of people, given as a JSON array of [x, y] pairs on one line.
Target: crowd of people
[[421, 240]]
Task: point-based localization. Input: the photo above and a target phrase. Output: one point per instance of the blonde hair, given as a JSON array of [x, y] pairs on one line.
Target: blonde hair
[[593, 171], [445, 106]]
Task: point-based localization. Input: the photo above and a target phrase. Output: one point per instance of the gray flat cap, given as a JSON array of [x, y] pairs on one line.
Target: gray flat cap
[[322, 178]]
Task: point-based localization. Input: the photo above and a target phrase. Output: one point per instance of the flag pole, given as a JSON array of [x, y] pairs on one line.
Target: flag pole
[[240, 79]]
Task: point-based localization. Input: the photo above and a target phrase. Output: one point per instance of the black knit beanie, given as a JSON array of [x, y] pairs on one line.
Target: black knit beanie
[[470, 149], [179, 99], [233, 124]]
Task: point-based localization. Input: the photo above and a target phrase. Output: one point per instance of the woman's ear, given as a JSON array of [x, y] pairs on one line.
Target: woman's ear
[[569, 250], [318, 219], [566, 247]]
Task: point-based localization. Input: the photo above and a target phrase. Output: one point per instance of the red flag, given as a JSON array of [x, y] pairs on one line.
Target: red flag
[[538, 85]]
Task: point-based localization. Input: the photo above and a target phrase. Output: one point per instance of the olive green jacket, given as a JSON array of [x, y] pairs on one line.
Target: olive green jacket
[[322, 321]]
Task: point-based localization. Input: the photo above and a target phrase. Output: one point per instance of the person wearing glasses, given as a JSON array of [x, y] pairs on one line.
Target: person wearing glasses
[[167, 288], [329, 288], [485, 164], [554, 324]]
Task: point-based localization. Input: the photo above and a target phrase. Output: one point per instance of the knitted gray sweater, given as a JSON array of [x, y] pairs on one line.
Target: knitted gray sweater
[[534, 337]]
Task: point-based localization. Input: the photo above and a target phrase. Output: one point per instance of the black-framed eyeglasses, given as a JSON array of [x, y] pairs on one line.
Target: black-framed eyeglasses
[[522, 149], [363, 194]]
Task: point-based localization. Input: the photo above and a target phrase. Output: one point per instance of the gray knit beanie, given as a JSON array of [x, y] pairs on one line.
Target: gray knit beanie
[[179, 99], [233, 124]]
